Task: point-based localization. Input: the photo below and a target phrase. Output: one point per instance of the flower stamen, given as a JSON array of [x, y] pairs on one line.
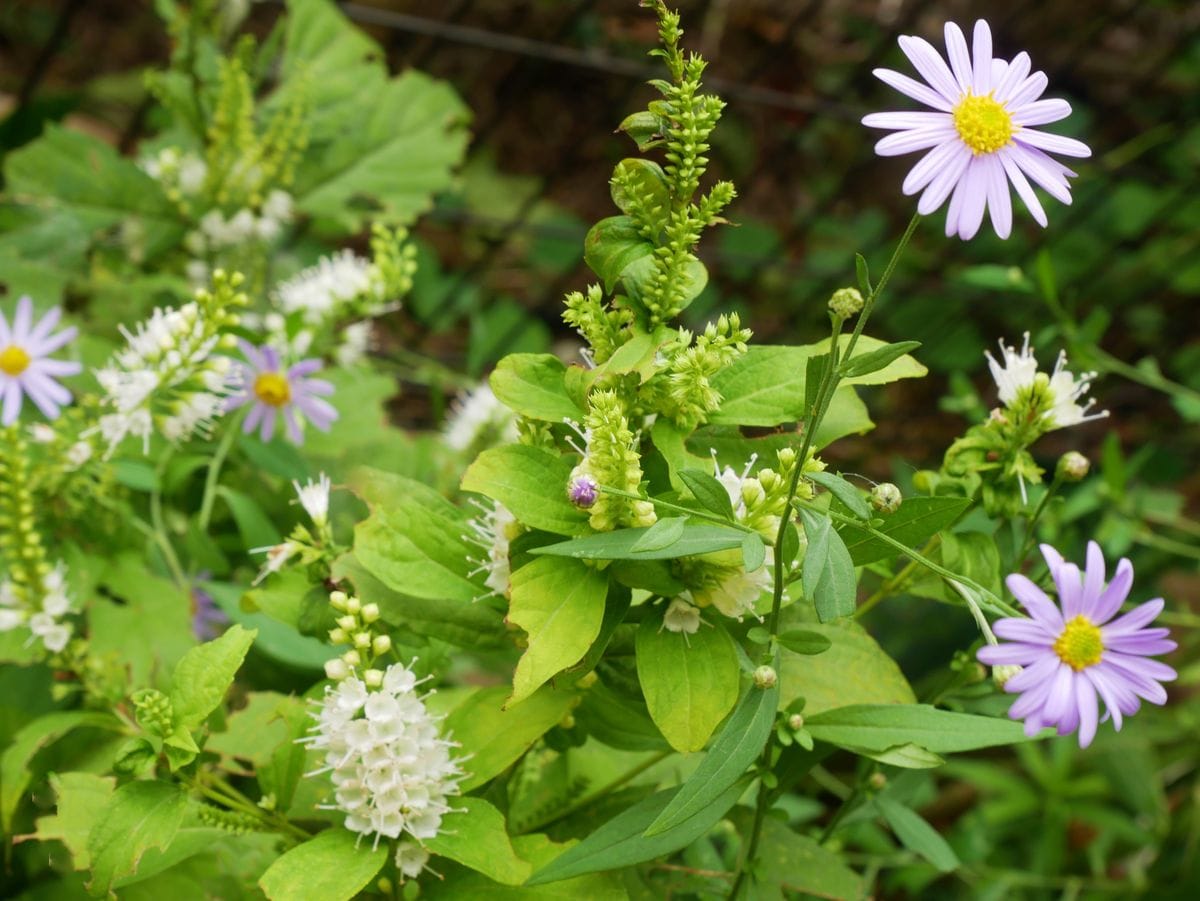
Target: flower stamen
[[14, 360], [983, 123], [1080, 645], [272, 388]]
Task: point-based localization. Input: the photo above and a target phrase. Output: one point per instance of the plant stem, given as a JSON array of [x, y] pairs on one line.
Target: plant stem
[[667, 505], [1030, 529], [825, 392], [213, 476], [159, 523]]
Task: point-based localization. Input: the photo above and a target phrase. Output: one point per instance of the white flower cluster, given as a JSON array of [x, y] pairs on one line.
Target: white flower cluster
[[177, 170], [320, 292], [478, 417], [217, 231], [1018, 374], [167, 377], [46, 621], [493, 531], [391, 769]]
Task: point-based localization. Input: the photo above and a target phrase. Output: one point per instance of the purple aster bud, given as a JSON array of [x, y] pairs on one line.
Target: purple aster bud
[[583, 491]]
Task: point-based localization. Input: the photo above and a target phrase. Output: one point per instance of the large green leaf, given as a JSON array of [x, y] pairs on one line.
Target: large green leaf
[[82, 798], [791, 863], [495, 735], [854, 670], [532, 483], [694, 538], [413, 541], [139, 816], [880, 727], [766, 385], [408, 136], [474, 834], [559, 602], [203, 676], [690, 681], [732, 753], [16, 771], [532, 385], [612, 246], [539, 851], [333, 866], [917, 519]]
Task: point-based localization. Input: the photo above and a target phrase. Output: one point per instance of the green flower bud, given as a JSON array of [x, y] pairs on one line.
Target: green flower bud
[[878, 781], [1073, 466], [765, 677], [886, 497], [846, 303], [1001, 674]]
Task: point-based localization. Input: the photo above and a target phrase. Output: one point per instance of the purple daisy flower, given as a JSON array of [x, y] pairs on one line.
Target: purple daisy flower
[[1073, 656], [25, 367], [980, 139], [274, 392]]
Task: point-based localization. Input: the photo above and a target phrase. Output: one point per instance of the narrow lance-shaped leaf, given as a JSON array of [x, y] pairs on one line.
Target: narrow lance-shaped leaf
[[916, 834], [880, 358], [697, 538], [730, 755], [843, 491], [828, 574]]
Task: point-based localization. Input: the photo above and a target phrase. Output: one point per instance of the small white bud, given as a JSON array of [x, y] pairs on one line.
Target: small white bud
[[338, 599], [765, 677], [381, 645], [352, 658], [362, 640], [353, 605], [336, 669], [369, 613], [373, 678], [1001, 674]]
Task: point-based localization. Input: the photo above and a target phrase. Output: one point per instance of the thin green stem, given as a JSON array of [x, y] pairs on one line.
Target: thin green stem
[[1031, 527], [973, 606], [676, 508], [158, 522], [213, 477], [825, 391]]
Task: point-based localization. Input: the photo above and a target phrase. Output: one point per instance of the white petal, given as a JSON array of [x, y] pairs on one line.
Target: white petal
[[1040, 173], [998, 199], [1023, 188], [931, 66], [1041, 112], [924, 171], [906, 120], [960, 59], [955, 209], [974, 187], [944, 181], [1030, 90], [914, 139], [1053, 143], [910, 87], [1011, 78], [981, 55]]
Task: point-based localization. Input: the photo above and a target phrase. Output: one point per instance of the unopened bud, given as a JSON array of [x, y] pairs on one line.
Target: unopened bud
[[381, 645], [886, 497], [347, 622], [877, 781], [336, 669], [1001, 674], [583, 491], [765, 677], [846, 303], [373, 678], [362, 640], [1073, 466], [795, 722], [353, 605], [588, 680], [352, 658], [369, 613], [338, 599], [339, 636], [567, 722]]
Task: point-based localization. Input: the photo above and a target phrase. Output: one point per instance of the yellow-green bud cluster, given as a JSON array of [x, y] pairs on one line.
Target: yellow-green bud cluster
[[21, 550], [154, 711], [682, 389], [611, 459], [602, 328], [357, 626], [846, 303]]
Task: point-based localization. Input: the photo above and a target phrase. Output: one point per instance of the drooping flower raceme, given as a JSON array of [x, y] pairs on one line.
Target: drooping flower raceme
[[40, 608], [26, 369], [274, 392], [980, 137], [1053, 400], [492, 531], [1074, 653], [478, 420], [391, 768]]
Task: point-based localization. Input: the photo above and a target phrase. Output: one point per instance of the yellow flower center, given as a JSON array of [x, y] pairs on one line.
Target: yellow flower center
[[1080, 644], [272, 388], [13, 360], [983, 123]]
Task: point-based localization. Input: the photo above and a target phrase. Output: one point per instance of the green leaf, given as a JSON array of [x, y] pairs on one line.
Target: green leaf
[[474, 834], [916, 834], [843, 491], [791, 864], [854, 670], [539, 851], [917, 519], [864, 275], [16, 771], [532, 483], [82, 798], [618, 720], [622, 842], [650, 189], [805, 641], [880, 358], [139, 816], [203, 676], [754, 552], [697, 538], [644, 128], [766, 386], [732, 753], [408, 136], [690, 681], [255, 527], [560, 603], [532, 385], [814, 372], [880, 727], [413, 540], [908, 756], [496, 735], [661, 535], [333, 866], [708, 492], [612, 246], [830, 584]]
